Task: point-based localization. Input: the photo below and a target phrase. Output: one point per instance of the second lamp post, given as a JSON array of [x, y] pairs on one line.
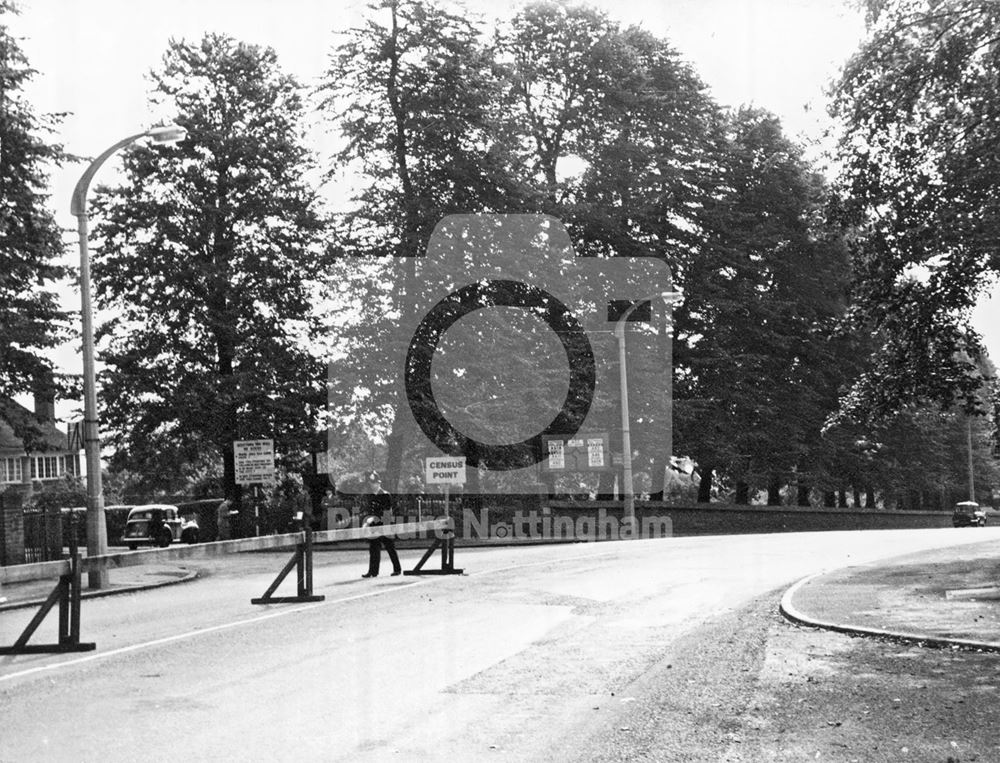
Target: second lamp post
[[670, 298]]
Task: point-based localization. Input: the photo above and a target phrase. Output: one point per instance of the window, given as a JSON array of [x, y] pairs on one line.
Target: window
[[45, 467], [72, 464], [10, 469], [42, 467]]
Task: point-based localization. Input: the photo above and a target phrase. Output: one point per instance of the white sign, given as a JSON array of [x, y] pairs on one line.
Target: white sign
[[254, 461], [580, 453], [595, 452], [557, 456], [322, 462], [448, 470]]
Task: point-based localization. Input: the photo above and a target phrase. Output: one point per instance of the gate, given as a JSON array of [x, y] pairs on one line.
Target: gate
[[43, 536]]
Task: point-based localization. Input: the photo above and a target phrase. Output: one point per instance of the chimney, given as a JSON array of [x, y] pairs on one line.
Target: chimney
[[45, 399]]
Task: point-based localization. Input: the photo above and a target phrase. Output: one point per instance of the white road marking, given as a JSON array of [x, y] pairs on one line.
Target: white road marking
[[271, 616], [210, 629]]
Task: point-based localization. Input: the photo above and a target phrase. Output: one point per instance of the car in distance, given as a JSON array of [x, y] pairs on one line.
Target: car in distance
[[115, 516], [158, 524], [968, 514]]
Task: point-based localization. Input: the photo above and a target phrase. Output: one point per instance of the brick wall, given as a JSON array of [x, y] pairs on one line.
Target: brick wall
[[12, 526]]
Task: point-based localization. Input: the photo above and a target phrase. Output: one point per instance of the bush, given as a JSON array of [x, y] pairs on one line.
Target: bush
[[64, 494]]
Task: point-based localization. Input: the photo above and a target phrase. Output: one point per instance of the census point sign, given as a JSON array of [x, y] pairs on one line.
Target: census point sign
[[445, 470]]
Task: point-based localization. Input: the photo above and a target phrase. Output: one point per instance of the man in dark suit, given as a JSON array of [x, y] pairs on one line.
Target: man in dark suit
[[379, 510]]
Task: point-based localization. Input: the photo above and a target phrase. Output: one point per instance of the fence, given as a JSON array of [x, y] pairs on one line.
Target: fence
[[43, 536]]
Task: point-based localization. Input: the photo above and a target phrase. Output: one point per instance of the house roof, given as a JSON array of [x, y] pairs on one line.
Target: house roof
[[41, 435]]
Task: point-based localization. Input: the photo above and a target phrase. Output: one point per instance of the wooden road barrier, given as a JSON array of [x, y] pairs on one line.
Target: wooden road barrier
[[67, 590]]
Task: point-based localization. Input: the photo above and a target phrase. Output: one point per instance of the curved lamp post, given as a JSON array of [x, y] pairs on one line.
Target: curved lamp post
[[670, 298], [97, 533]]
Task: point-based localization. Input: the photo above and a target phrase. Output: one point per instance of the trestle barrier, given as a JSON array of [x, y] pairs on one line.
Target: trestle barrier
[[68, 571]]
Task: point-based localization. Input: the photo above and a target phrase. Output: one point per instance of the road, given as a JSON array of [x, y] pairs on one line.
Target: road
[[536, 653]]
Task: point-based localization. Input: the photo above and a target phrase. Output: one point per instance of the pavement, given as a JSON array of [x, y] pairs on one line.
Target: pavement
[[34, 593], [947, 598]]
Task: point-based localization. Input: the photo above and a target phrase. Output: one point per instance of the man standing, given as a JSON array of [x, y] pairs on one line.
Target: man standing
[[222, 519], [379, 510]]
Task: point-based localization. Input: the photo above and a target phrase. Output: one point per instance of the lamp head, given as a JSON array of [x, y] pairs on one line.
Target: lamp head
[[673, 297], [167, 134]]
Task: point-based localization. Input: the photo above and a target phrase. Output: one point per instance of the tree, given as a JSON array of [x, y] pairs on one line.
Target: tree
[[921, 120], [924, 455], [210, 263], [765, 290], [413, 93], [565, 65], [607, 129], [30, 318], [618, 139]]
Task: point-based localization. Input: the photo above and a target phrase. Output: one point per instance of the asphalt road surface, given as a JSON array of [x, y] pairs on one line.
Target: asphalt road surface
[[607, 651]]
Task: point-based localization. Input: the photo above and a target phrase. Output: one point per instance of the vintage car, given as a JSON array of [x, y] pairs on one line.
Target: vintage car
[[158, 524], [968, 514], [115, 516]]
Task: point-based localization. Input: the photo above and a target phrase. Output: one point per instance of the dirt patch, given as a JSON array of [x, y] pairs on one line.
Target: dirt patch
[[826, 696], [693, 703], [749, 687]]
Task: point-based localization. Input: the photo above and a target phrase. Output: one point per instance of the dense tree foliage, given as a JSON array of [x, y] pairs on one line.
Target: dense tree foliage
[[921, 116], [412, 92], [209, 259], [610, 131], [758, 370], [620, 141], [819, 330], [559, 86], [30, 318]]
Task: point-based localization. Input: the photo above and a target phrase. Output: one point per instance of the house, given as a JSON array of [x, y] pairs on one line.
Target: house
[[52, 454]]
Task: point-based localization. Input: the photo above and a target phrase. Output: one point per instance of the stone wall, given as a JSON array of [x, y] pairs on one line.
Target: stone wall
[[713, 519], [511, 518]]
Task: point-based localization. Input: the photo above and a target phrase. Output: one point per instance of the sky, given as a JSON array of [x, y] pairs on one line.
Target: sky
[[92, 58]]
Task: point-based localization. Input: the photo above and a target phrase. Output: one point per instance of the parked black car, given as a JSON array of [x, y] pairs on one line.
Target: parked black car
[[158, 525], [968, 514]]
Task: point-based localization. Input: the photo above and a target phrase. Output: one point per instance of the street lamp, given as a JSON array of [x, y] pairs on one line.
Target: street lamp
[[971, 470], [670, 298], [97, 534]]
